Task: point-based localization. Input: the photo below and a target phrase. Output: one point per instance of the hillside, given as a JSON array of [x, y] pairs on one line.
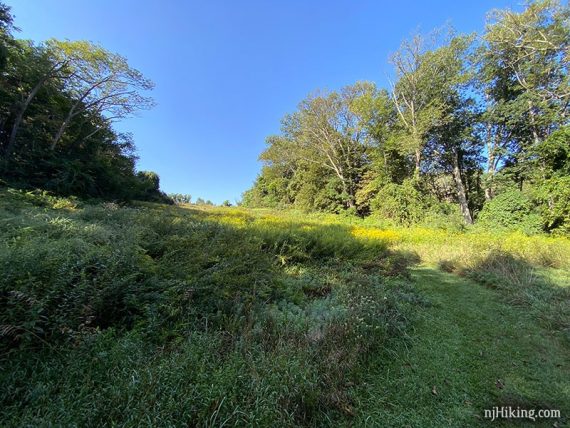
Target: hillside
[[149, 314]]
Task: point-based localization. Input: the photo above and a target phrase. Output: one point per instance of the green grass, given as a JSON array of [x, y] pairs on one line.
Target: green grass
[[149, 315], [477, 351]]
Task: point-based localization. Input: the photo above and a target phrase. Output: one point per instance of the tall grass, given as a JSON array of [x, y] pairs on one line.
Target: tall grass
[[160, 315], [532, 271]]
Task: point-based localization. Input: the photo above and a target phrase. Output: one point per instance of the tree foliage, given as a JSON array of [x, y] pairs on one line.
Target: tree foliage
[[58, 101], [467, 119]]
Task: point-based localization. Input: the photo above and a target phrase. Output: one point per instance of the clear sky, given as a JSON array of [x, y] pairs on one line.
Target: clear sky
[[227, 71]]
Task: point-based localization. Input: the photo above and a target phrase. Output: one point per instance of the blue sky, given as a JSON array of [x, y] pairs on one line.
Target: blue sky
[[227, 71]]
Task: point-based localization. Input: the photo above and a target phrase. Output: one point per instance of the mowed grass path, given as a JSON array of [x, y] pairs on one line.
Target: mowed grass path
[[469, 351]]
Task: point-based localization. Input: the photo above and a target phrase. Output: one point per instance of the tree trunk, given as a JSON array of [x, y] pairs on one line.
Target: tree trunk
[[532, 115], [20, 117], [350, 202], [461, 193], [62, 128], [418, 159], [489, 194], [17, 122]]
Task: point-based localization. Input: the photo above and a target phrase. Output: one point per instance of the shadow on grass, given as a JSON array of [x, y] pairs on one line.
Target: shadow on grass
[[287, 312], [476, 352], [523, 284]]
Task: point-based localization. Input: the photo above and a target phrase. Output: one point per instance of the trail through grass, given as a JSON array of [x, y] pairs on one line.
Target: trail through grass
[[469, 351], [152, 315]]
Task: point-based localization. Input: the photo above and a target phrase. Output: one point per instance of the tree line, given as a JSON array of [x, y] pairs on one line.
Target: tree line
[[58, 102], [472, 126]]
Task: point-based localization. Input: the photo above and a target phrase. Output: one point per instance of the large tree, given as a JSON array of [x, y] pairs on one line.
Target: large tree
[[57, 103], [534, 45], [426, 69], [522, 75], [327, 131], [99, 81], [31, 68]]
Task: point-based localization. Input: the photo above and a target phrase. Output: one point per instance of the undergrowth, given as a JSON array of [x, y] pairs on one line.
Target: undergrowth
[[166, 315], [161, 315]]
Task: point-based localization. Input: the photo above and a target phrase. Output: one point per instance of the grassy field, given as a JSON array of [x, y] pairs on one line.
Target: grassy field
[[152, 315]]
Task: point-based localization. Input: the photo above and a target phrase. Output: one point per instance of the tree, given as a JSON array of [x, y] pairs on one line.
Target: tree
[[462, 123], [422, 77], [327, 131], [6, 30], [522, 74], [387, 162], [35, 66], [99, 81], [43, 93], [535, 46], [454, 149], [180, 198]]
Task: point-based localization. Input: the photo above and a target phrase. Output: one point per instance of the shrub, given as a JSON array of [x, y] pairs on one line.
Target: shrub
[[402, 203], [553, 198], [510, 210], [180, 198], [445, 216]]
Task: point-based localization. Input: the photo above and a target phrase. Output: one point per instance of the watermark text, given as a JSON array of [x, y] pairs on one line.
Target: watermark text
[[508, 412]]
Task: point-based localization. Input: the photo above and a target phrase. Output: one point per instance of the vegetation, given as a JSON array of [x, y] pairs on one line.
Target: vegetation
[[179, 198], [58, 101], [468, 118], [403, 258], [155, 314], [221, 316]]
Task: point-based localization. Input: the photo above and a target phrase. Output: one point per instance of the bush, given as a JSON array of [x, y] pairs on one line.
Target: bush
[[445, 216], [553, 199], [510, 210], [180, 198], [404, 204]]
